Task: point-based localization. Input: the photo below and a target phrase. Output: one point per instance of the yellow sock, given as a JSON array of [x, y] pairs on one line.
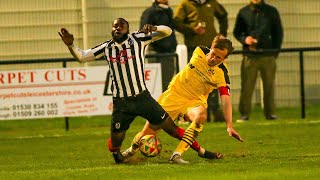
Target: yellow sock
[[189, 137]]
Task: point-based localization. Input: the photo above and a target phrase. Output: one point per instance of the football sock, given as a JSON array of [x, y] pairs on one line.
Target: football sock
[[195, 145], [189, 137]]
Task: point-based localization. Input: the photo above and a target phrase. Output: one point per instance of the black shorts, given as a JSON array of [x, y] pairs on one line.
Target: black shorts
[[125, 110]]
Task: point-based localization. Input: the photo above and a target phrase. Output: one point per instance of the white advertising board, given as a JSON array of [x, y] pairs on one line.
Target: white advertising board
[[62, 92]]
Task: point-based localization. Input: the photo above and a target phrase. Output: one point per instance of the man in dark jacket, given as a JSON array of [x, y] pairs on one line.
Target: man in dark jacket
[[258, 28], [161, 14]]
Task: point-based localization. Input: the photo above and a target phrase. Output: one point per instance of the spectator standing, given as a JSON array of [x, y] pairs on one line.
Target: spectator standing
[[258, 27], [195, 20], [160, 13]]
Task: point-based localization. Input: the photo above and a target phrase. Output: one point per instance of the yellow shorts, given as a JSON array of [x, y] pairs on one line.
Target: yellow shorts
[[176, 105]]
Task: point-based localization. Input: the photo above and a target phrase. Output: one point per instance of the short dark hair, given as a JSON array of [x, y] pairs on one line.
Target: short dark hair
[[122, 19], [222, 43]]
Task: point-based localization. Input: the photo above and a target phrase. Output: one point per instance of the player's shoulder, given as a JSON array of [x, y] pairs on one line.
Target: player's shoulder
[[224, 67], [204, 49], [199, 52], [103, 44]]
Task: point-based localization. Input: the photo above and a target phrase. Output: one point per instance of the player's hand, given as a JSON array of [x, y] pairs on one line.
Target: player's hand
[[148, 28], [66, 37], [234, 134]]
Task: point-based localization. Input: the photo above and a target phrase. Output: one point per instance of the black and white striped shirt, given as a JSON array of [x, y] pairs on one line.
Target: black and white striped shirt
[[126, 61]]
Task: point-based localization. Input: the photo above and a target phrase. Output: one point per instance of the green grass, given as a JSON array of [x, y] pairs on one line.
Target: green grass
[[41, 149]]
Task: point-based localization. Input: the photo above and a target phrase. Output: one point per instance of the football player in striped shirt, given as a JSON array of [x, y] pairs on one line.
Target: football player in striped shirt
[[131, 98], [188, 92]]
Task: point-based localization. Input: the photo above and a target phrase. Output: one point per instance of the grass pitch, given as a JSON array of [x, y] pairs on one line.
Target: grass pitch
[[288, 148]]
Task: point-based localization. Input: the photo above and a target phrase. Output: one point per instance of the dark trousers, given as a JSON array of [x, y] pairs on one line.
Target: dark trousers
[[250, 67]]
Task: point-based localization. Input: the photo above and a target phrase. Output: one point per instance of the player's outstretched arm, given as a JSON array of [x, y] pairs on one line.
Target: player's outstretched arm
[[156, 32], [227, 110], [79, 54]]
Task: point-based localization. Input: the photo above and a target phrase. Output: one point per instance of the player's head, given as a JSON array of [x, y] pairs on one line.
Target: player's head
[[220, 49], [120, 30]]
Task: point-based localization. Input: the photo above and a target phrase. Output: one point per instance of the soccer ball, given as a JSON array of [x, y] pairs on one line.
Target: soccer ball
[[150, 145]]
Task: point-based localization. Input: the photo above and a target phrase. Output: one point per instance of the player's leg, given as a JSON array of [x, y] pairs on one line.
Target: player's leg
[[197, 116], [159, 118], [114, 145], [128, 153], [120, 123], [179, 133], [158, 114], [168, 125], [202, 152], [148, 108]]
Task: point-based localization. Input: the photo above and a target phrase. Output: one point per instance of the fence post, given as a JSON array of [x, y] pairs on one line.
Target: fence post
[[66, 119], [302, 94]]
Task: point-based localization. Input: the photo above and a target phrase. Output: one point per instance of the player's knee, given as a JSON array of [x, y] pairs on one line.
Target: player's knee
[[198, 115], [201, 118]]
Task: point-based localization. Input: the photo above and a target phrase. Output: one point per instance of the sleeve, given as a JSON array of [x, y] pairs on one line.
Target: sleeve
[[161, 32], [222, 15], [185, 18], [223, 83], [87, 55], [277, 30], [239, 30], [223, 79]]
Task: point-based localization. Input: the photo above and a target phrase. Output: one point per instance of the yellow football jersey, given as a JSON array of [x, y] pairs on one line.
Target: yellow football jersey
[[191, 86]]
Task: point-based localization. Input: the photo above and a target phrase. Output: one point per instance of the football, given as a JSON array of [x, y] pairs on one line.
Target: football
[[150, 145]]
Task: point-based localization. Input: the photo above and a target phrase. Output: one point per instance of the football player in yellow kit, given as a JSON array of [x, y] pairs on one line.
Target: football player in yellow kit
[[188, 92]]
